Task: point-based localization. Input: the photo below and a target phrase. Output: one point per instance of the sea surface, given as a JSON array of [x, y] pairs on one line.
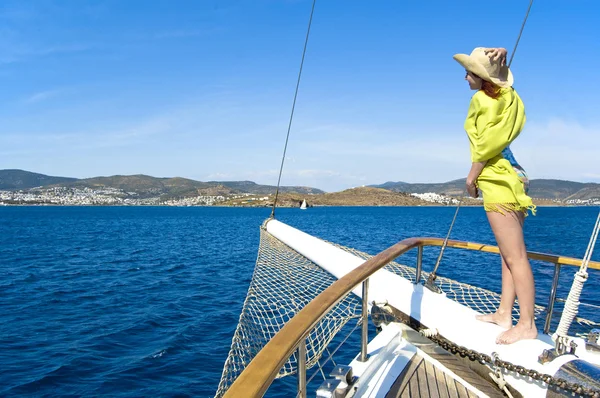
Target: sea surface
[[143, 301]]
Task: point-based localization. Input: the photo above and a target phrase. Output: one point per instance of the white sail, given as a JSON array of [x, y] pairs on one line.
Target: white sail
[[303, 205]]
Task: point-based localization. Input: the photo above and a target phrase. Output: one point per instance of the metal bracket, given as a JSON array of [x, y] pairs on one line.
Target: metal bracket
[[548, 356], [564, 346], [429, 284], [330, 389], [591, 340], [343, 372], [339, 383], [593, 336]]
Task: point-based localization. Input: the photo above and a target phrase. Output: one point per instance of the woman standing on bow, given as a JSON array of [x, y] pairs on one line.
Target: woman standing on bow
[[495, 118]]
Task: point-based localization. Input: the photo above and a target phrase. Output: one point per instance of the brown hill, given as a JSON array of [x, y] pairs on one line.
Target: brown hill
[[539, 188], [588, 192], [366, 196], [218, 190]]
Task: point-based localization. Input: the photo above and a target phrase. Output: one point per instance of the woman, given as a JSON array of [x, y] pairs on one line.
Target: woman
[[496, 117]]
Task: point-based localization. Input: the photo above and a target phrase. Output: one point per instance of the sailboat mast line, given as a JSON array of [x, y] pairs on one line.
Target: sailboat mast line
[[520, 33], [591, 245], [293, 107]]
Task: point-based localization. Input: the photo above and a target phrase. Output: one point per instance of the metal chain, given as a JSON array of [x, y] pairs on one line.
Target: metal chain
[[499, 363]]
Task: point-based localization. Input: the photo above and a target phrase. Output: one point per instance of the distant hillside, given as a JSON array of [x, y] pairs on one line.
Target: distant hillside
[[589, 192], [252, 187], [177, 186], [364, 196], [540, 188], [20, 179], [351, 197], [454, 187], [560, 189], [142, 185]]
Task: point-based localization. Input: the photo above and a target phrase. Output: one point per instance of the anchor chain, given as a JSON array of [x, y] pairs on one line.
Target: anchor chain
[[485, 359]]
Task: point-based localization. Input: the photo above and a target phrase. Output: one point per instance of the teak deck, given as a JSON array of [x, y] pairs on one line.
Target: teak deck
[[422, 379]]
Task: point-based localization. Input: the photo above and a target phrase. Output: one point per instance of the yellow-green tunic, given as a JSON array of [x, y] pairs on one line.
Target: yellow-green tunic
[[492, 125]]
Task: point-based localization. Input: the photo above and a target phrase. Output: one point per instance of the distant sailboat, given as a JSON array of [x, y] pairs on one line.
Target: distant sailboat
[[303, 205]]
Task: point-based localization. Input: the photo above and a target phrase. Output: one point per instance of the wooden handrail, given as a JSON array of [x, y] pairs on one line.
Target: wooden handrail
[[550, 258], [262, 370]]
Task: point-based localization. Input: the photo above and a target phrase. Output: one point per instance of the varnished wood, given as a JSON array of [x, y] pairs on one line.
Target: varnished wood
[[414, 388], [473, 373], [441, 383], [423, 382], [262, 370], [422, 379], [260, 373], [433, 384], [550, 258], [452, 390], [460, 368], [402, 381]]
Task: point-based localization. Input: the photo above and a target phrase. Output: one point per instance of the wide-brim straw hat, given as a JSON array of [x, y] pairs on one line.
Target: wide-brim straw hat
[[483, 66]]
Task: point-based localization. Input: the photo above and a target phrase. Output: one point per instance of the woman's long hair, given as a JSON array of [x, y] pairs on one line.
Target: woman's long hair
[[490, 89]]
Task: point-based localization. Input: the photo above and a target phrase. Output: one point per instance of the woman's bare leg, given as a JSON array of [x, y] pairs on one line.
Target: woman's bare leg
[[503, 315], [508, 230]]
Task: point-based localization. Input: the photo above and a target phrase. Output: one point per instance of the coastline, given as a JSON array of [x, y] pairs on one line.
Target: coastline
[[432, 205], [357, 197]]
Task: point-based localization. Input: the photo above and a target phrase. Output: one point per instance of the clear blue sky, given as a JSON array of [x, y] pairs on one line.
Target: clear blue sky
[[203, 89]]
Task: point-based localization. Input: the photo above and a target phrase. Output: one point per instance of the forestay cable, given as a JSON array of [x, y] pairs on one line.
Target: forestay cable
[[520, 33], [293, 107]]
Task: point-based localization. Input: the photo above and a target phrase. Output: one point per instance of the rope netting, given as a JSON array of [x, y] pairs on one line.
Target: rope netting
[[284, 281]]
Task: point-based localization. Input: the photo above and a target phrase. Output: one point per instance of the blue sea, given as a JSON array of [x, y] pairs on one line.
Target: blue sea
[[143, 301]]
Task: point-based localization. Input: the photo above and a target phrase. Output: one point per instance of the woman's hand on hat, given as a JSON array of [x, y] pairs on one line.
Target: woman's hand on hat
[[497, 54]]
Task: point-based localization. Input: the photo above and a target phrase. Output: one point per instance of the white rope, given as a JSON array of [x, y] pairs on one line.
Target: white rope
[[572, 303], [498, 378], [429, 332]]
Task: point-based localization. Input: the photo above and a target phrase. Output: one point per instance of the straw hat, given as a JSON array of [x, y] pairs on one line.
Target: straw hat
[[483, 66]]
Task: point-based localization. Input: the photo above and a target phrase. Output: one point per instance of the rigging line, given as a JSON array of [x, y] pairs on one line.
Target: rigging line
[[293, 107], [330, 357], [591, 245], [520, 33], [433, 275]]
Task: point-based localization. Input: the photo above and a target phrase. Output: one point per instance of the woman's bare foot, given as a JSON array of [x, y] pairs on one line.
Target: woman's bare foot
[[501, 319], [521, 331]]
